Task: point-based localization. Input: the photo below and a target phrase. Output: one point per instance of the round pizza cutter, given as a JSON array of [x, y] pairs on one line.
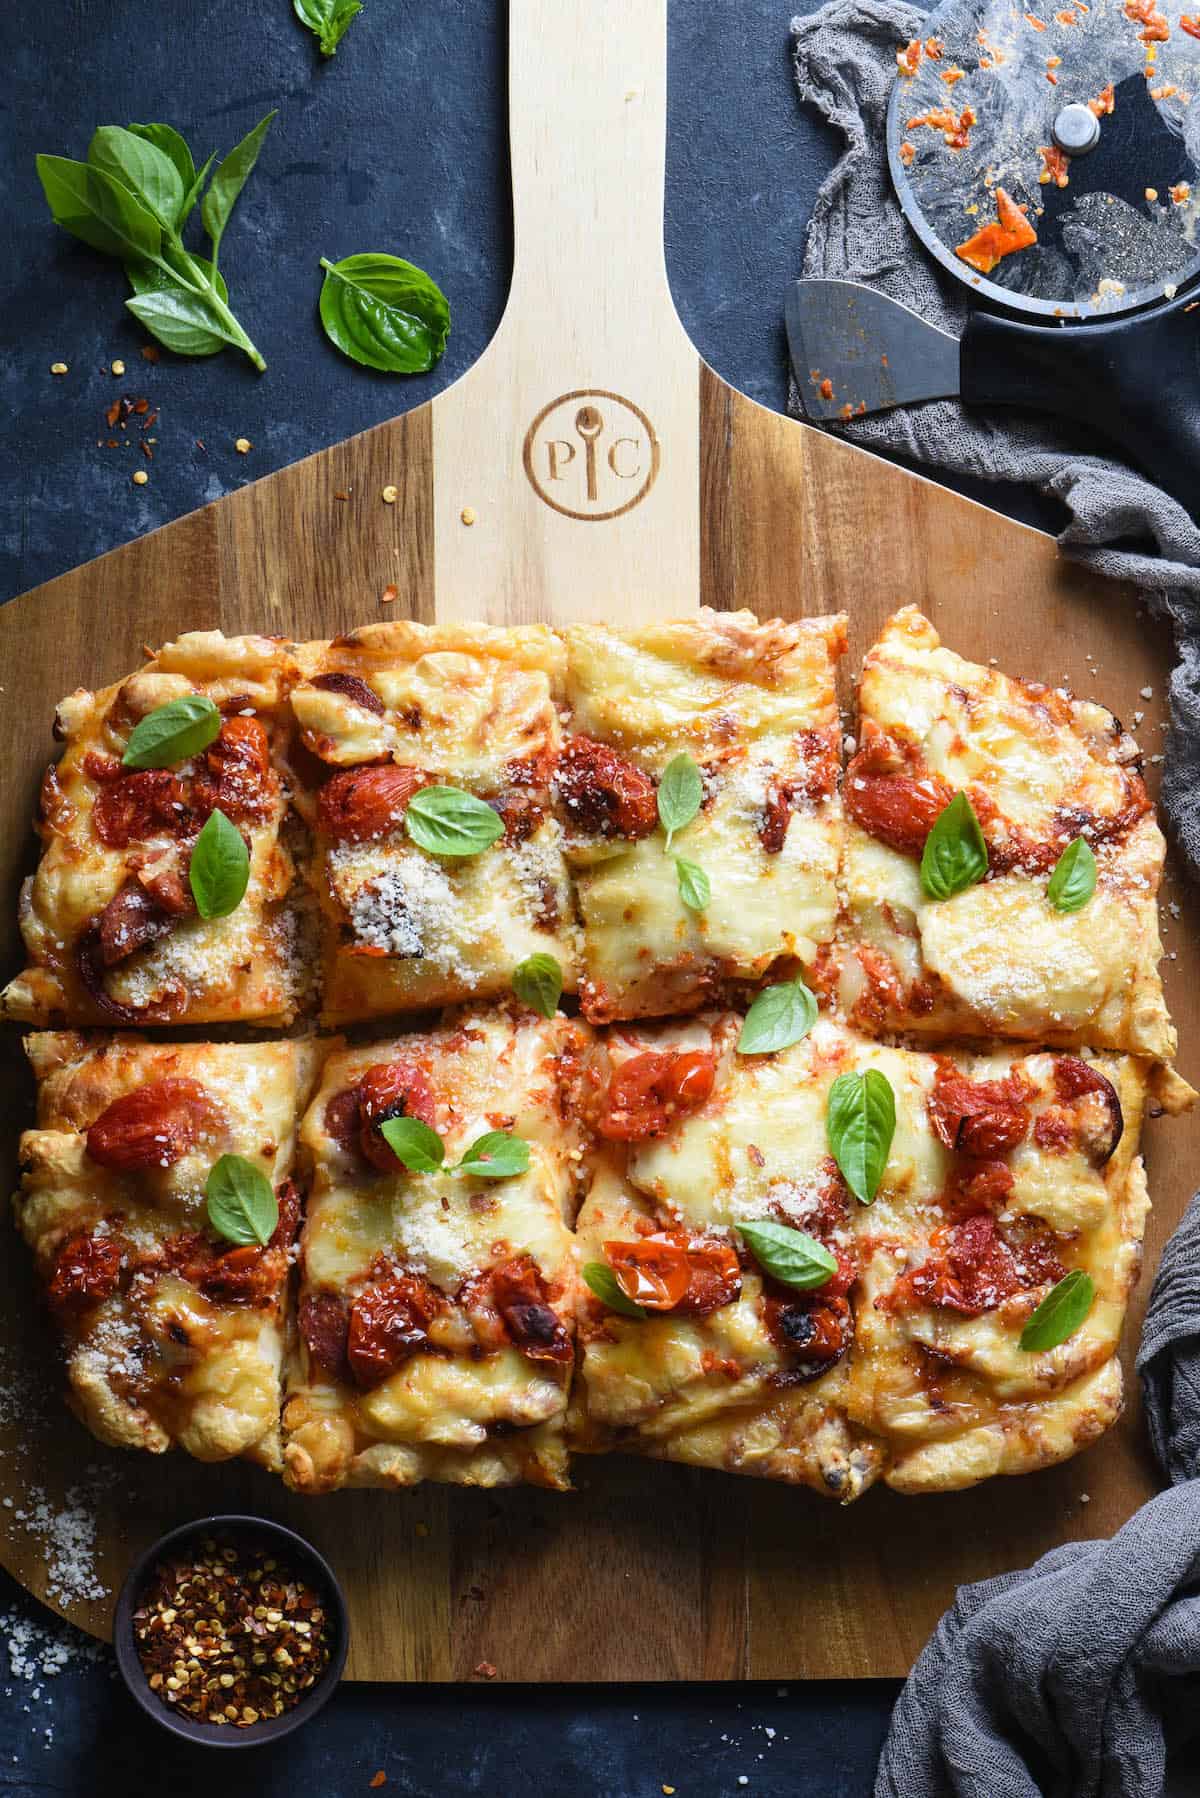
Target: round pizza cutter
[[1049, 159]]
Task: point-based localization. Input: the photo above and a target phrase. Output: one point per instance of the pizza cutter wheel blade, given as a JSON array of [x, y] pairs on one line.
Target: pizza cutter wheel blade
[[1049, 159]]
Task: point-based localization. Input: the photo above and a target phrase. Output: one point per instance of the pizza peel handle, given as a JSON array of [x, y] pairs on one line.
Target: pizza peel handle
[[572, 446], [1134, 383]]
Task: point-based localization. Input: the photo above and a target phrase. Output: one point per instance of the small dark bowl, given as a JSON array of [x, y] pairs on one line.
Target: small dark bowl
[[306, 1561]]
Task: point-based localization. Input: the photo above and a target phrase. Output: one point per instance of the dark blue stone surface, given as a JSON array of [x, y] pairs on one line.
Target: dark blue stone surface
[[398, 143]]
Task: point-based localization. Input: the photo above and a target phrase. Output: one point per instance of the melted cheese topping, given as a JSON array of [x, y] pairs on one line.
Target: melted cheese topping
[[461, 702], [491, 1071], [129, 1379], [738, 697]]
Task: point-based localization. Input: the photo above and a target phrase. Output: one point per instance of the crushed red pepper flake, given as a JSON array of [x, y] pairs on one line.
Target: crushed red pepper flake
[[485, 1670], [380, 1779], [149, 353], [230, 1633]]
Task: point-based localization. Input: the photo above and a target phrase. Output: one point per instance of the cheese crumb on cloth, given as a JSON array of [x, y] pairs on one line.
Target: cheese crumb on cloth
[[1070, 1679]]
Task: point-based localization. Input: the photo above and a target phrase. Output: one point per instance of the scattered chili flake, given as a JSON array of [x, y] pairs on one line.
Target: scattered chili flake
[[230, 1633], [341, 494], [907, 154], [201, 445], [1067, 17], [149, 353], [141, 407], [112, 414], [485, 1670], [388, 595], [934, 47], [1038, 24], [379, 1779], [147, 451], [1103, 103], [148, 423], [1190, 24], [950, 76], [954, 127], [826, 389], [1181, 193]]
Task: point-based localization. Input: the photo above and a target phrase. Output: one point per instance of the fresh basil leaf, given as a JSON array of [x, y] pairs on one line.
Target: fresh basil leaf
[[174, 147], [88, 203], [194, 191], [241, 1203], [789, 1255], [695, 888], [603, 1282], [779, 1017], [1074, 878], [188, 323], [413, 1143], [385, 313], [538, 982], [955, 855], [172, 732], [136, 162], [680, 792], [495, 1156], [219, 871], [1060, 1313], [449, 821], [228, 181], [329, 20], [860, 1121], [153, 277]]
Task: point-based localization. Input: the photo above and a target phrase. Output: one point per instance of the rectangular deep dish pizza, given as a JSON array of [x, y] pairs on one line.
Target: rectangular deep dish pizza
[[720, 1090]]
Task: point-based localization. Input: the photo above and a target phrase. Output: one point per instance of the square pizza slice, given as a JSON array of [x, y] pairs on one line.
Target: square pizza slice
[[436, 1311], [967, 791], [728, 729], [438, 869], [174, 1334], [997, 1259], [139, 912], [692, 1349]]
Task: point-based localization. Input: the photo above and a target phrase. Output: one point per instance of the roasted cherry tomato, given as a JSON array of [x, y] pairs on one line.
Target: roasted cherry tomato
[[389, 1323], [359, 804], [235, 772], [153, 1126], [653, 1271], [891, 797], [648, 1090], [145, 803], [603, 793], [520, 1296], [391, 1089], [980, 1118]]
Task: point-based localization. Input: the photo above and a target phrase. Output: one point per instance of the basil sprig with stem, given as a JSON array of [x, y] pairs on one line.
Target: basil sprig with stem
[[790, 1256], [496, 1155], [779, 1017], [860, 1122], [241, 1202], [384, 312], [955, 855], [131, 199], [601, 1279], [538, 982], [1062, 1312], [680, 795], [219, 870], [328, 20], [451, 821], [172, 732], [1074, 878]]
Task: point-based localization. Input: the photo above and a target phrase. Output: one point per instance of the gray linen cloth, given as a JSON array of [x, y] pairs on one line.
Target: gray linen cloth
[[845, 63], [1077, 1677]]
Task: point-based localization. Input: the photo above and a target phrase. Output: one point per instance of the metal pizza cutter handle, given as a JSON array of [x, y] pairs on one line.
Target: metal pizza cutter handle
[[1135, 382]]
